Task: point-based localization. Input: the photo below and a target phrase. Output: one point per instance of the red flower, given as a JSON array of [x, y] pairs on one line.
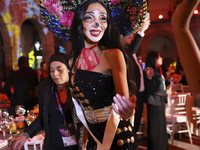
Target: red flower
[[134, 24], [133, 10], [132, 17], [128, 8]]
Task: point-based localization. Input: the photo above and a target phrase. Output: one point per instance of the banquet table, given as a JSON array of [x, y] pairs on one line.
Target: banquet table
[[15, 137]]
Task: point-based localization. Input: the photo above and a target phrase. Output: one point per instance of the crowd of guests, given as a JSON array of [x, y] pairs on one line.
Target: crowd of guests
[[88, 102]]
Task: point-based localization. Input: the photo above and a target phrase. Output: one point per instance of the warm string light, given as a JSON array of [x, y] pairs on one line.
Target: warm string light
[[160, 17], [196, 11]]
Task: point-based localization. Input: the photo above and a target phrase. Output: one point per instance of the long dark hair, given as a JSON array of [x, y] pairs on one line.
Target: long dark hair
[[110, 40], [151, 61]]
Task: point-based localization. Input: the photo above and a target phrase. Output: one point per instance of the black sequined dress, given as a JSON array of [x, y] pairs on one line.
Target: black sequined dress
[[95, 91]]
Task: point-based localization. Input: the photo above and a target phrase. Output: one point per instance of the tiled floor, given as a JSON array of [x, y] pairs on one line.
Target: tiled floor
[[179, 144]]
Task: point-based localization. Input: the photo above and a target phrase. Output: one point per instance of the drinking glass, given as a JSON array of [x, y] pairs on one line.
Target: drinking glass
[[11, 125], [30, 117], [20, 110], [4, 114], [4, 127]]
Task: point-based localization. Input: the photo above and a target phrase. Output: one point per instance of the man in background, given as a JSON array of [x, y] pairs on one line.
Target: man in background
[[131, 44], [20, 85]]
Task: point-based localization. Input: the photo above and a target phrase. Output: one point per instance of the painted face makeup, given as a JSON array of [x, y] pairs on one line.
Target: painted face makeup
[[94, 22]]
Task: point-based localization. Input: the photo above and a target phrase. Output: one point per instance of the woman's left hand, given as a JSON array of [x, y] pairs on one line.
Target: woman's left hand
[[123, 106]]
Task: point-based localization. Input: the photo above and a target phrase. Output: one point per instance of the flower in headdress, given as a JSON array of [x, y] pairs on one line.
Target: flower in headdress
[[132, 10], [66, 18], [45, 12], [134, 24], [114, 2], [118, 14], [132, 17], [140, 12], [53, 8], [55, 1]]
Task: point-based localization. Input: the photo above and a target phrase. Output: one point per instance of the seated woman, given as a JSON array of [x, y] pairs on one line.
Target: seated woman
[[54, 107]]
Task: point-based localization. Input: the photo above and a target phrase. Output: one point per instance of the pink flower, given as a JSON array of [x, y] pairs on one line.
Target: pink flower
[[54, 9], [132, 17], [134, 24], [133, 10], [55, 1], [47, 3], [114, 2], [58, 8], [66, 18]]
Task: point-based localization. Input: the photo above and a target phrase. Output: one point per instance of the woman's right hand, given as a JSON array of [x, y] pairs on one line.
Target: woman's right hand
[[19, 143], [149, 72]]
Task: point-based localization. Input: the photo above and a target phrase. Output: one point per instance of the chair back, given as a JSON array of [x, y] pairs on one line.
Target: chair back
[[186, 89], [38, 144], [178, 104], [177, 88]]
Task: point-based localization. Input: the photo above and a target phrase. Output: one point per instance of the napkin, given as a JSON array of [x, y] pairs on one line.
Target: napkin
[[3, 143], [36, 138]]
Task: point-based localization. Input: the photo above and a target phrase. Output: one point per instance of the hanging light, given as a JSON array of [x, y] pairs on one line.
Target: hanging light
[[37, 45]]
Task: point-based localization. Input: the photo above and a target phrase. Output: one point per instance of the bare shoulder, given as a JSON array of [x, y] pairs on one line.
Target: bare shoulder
[[113, 54]]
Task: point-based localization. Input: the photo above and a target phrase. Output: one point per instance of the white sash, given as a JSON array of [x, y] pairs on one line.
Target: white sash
[[110, 129]]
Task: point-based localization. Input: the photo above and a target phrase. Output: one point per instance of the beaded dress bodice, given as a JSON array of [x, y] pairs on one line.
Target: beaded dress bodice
[[92, 89]]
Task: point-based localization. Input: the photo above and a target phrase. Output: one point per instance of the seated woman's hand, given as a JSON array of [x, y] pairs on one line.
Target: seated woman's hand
[[123, 106], [19, 143]]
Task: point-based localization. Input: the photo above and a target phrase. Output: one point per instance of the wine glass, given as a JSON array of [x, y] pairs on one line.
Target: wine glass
[[20, 110], [11, 125], [30, 117], [4, 114], [4, 127]]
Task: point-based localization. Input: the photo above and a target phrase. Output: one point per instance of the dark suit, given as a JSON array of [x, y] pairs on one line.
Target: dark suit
[[24, 82], [133, 47]]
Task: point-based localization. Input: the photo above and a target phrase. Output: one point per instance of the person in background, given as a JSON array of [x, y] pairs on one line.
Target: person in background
[[187, 47], [156, 97], [43, 72], [131, 46], [20, 85], [54, 107]]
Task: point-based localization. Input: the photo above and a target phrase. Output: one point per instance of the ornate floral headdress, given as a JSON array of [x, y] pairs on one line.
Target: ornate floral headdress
[[58, 15]]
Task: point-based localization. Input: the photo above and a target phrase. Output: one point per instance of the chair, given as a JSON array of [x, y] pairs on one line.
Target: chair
[[186, 88], [177, 88], [177, 116], [36, 142], [195, 110]]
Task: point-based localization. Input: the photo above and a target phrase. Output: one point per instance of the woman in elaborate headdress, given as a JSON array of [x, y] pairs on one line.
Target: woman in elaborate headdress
[[99, 71]]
